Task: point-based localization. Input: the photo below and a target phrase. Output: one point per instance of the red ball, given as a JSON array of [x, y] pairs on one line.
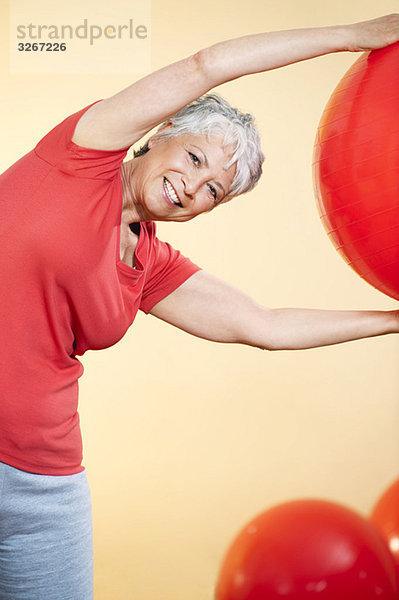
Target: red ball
[[306, 549], [356, 168], [385, 516]]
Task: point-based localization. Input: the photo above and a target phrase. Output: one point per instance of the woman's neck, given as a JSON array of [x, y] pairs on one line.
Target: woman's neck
[[131, 207]]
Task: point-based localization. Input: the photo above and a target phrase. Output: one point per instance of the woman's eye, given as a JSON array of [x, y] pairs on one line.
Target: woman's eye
[[213, 192], [194, 158]]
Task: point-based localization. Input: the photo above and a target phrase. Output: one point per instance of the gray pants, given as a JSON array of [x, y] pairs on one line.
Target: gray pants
[[46, 550]]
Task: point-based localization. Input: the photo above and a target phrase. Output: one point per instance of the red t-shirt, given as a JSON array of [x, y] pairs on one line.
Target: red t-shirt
[[64, 290]]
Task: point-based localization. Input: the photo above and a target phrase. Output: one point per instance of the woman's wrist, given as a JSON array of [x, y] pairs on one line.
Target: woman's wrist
[[342, 36], [393, 321]]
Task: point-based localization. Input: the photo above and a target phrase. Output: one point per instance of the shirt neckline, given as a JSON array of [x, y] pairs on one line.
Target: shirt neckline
[[136, 271]]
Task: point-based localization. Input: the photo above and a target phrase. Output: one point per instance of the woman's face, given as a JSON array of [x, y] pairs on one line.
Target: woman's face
[[181, 177]]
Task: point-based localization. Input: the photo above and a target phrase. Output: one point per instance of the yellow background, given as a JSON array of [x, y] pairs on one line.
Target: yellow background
[[186, 440], [88, 49]]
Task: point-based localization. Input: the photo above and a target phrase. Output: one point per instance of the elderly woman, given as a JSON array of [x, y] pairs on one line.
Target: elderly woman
[[80, 256]]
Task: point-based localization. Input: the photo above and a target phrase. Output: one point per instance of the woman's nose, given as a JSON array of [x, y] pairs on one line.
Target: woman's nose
[[190, 184]]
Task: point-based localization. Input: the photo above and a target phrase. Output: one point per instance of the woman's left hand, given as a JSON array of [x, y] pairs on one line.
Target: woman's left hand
[[395, 314]]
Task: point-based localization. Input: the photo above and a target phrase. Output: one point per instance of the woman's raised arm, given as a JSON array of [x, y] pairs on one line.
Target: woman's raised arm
[[124, 118]]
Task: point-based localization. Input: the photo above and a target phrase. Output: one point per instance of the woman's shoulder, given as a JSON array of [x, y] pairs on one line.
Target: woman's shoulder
[[58, 148]]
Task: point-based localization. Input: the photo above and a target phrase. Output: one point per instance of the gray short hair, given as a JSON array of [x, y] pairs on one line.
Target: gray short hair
[[213, 115]]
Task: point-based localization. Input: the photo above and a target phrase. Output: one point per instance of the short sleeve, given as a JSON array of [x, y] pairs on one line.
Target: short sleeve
[[58, 149], [169, 269]]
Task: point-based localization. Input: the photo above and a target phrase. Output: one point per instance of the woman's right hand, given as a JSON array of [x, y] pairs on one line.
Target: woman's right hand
[[374, 34]]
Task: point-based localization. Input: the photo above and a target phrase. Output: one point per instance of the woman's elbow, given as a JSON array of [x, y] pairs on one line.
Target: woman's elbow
[[257, 331], [204, 64]]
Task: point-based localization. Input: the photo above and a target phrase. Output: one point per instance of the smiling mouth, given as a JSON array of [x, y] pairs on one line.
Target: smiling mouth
[[170, 193]]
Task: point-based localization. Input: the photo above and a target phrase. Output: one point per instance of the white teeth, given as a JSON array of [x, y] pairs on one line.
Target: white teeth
[[171, 192]]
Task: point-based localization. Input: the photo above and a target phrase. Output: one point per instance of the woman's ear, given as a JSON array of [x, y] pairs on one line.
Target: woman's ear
[[154, 138]]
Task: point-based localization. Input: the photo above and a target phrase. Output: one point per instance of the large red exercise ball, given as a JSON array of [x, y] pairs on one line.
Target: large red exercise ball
[[385, 516], [356, 168], [308, 549]]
